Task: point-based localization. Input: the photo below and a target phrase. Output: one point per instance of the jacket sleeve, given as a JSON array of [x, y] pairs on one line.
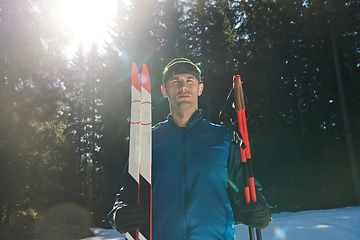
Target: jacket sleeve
[[126, 195], [236, 174]]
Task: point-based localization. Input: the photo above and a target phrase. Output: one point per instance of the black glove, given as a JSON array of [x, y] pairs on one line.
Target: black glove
[[255, 215], [129, 218]]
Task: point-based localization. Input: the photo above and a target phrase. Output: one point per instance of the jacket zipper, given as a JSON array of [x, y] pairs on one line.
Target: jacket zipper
[[185, 187]]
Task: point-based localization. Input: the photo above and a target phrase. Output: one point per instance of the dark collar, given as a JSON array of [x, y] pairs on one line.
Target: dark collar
[[194, 119]]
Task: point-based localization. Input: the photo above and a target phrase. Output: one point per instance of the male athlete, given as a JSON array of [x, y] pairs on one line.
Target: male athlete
[[194, 164]]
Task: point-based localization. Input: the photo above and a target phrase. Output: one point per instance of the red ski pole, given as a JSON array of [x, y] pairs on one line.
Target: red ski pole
[[245, 153]]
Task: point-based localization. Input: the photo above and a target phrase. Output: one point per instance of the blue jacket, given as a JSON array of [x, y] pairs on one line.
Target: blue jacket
[[191, 171]]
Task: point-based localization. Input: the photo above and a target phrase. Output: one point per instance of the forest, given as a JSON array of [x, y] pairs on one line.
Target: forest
[[64, 123]]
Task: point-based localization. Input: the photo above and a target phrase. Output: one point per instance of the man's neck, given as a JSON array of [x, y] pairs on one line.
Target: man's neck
[[181, 118]]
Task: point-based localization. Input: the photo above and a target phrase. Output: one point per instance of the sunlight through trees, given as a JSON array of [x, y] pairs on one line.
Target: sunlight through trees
[[64, 124]]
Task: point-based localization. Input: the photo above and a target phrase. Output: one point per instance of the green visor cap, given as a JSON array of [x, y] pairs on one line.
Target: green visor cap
[[180, 66]]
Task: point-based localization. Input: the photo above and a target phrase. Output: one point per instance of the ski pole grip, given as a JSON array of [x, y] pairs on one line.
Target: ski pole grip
[[238, 93]]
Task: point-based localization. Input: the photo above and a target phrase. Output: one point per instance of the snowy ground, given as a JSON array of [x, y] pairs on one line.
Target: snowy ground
[[334, 224]]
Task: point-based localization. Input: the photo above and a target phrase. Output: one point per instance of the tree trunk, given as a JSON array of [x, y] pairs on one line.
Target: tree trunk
[[273, 191], [354, 169], [9, 211]]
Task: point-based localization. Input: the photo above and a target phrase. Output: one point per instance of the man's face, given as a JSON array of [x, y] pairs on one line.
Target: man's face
[[182, 91]]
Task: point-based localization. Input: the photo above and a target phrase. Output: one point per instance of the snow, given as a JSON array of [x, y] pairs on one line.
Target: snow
[[333, 224]]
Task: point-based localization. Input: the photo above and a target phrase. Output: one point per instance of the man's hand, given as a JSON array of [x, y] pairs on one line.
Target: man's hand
[[129, 218], [255, 215]]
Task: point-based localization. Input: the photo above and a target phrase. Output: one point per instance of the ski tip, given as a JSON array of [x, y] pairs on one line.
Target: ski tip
[[134, 67], [145, 79], [135, 81]]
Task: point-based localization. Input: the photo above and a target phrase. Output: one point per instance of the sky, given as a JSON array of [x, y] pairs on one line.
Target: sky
[[89, 20], [332, 224]]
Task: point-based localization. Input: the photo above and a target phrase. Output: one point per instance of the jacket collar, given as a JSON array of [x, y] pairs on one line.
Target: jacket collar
[[194, 119]]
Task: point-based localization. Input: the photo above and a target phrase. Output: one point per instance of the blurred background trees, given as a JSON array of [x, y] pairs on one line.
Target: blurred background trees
[[64, 124]]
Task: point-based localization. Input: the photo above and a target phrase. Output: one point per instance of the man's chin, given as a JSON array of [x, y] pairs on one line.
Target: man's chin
[[183, 105]]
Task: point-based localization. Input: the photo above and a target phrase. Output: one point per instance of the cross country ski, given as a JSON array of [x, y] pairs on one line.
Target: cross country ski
[[140, 146]]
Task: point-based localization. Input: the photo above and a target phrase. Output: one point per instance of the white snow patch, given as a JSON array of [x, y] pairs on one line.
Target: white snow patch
[[333, 224]]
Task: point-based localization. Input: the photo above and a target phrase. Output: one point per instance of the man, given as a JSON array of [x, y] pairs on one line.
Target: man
[[193, 163]]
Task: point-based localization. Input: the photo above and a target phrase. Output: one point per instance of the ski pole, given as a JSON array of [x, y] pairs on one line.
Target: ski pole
[[245, 153]]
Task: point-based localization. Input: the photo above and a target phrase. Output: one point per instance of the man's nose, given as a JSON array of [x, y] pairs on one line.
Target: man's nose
[[183, 85]]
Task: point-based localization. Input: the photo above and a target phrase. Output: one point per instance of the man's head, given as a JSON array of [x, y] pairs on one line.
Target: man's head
[[182, 85], [180, 66]]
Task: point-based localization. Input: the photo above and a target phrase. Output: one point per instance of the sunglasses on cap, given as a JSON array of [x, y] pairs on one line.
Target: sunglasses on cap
[[179, 67]]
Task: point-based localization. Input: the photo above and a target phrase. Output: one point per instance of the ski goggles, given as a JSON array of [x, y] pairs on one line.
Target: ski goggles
[[180, 67]]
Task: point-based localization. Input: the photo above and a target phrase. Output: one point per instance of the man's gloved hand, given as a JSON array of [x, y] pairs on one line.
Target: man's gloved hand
[[129, 218], [255, 215]]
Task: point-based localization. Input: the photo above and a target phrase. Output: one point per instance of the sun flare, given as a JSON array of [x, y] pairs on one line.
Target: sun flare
[[89, 20]]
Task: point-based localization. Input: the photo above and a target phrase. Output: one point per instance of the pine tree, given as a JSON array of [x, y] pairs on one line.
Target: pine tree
[[32, 78]]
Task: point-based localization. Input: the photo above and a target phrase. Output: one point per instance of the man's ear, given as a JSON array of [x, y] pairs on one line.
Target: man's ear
[[201, 88], [163, 91]]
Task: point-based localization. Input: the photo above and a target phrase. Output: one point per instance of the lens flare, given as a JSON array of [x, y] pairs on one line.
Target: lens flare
[[122, 54], [143, 79], [279, 233], [113, 46], [233, 186]]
